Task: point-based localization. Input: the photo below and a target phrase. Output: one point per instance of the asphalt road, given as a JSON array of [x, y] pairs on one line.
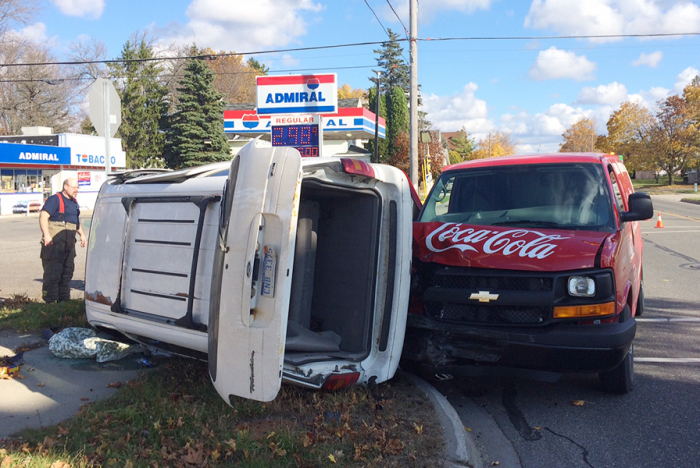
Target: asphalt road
[[533, 424], [20, 266]]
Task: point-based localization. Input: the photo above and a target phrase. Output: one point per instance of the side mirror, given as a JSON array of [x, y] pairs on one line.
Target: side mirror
[[640, 208]]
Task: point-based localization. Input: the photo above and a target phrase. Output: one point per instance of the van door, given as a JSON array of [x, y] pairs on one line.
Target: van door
[[252, 274]]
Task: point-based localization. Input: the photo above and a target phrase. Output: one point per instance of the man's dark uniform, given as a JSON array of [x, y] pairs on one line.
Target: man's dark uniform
[[58, 258]]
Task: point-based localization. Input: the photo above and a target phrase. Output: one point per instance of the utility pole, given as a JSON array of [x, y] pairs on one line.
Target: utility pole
[[376, 123], [413, 39]]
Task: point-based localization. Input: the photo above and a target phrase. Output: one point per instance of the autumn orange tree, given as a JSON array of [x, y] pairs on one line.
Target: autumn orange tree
[[233, 77], [347, 92], [674, 137], [400, 157], [629, 134], [580, 137], [494, 145]]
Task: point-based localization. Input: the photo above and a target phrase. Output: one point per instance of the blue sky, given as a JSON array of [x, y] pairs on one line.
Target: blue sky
[[532, 88]]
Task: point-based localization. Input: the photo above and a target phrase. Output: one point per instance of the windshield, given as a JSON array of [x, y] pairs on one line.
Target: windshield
[[556, 196]]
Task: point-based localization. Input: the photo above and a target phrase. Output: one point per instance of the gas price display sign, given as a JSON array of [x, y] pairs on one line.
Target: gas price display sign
[[303, 132]]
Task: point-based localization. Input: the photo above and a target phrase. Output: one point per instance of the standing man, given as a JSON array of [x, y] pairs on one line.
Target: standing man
[[59, 221]]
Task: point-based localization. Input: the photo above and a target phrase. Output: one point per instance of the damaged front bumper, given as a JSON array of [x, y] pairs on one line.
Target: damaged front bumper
[[555, 348]]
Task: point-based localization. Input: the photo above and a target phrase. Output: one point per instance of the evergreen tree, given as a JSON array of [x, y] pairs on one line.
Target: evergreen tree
[[399, 120], [393, 67], [463, 145], [143, 104], [256, 66], [195, 132], [383, 143]]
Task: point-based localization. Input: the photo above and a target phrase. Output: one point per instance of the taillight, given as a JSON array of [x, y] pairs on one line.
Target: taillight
[[338, 381], [357, 167]]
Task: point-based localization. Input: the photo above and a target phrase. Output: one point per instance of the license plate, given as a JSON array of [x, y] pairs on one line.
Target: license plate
[[268, 271]]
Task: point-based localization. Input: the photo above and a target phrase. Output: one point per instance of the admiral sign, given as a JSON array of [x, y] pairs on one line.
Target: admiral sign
[[33, 154], [297, 94]]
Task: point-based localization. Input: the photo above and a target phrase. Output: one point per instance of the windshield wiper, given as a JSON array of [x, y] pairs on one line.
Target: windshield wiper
[[530, 222]]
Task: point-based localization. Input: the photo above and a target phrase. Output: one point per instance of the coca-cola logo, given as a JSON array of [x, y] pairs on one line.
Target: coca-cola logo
[[523, 242]]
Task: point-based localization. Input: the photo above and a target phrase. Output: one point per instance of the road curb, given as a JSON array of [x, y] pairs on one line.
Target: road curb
[[461, 450]]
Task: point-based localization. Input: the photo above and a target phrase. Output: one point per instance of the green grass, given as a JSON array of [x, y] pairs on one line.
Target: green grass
[[652, 187], [24, 315], [171, 416]]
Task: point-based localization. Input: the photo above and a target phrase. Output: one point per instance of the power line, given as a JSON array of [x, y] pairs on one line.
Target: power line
[[530, 38], [189, 57], [377, 17], [355, 44], [55, 81], [398, 18]]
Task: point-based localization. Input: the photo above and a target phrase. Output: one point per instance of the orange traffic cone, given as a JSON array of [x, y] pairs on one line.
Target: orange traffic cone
[[659, 223]]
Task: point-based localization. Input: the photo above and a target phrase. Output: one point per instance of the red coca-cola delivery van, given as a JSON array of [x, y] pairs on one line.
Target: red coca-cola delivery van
[[531, 263]]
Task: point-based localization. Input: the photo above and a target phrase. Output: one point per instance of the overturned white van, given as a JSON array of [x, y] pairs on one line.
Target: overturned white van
[[273, 267]]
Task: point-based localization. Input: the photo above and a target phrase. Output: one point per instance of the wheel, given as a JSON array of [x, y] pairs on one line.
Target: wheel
[[640, 299], [620, 380]]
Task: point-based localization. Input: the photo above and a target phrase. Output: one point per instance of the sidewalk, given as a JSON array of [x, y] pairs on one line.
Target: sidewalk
[[52, 389]]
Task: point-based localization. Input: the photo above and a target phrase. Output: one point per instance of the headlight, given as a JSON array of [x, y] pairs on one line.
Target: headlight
[[581, 286]]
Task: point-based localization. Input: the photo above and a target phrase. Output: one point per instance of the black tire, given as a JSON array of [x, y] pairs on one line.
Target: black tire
[[640, 299], [620, 380]]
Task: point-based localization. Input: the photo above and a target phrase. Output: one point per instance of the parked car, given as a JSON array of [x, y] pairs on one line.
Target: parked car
[[271, 267], [27, 207], [529, 263]]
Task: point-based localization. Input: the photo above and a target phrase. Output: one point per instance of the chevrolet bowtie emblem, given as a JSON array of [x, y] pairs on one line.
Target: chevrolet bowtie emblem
[[484, 296]]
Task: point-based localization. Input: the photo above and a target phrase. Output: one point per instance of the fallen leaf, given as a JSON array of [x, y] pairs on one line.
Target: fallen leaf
[[84, 399], [231, 443], [331, 458], [48, 442], [419, 429], [60, 464], [272, 434], [116, 384], [578, 402], [63, 430], [537, 428], [6, 461], [468, 429]]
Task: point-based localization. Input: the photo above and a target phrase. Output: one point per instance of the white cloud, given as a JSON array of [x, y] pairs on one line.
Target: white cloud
[[542, 132], [451, 113], [35, 33], [650, 60], [610, 17], [236, 26], [610, 94], [684, 78], [81, 8], [553, 64]]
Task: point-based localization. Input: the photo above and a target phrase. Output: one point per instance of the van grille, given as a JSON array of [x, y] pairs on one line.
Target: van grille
[[453, 305], [491, 314], [491, 283]]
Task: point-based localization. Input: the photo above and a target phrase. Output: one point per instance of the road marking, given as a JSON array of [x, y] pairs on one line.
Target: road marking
[[668, 360], [679, 216], [665, 232], [682, 319]]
